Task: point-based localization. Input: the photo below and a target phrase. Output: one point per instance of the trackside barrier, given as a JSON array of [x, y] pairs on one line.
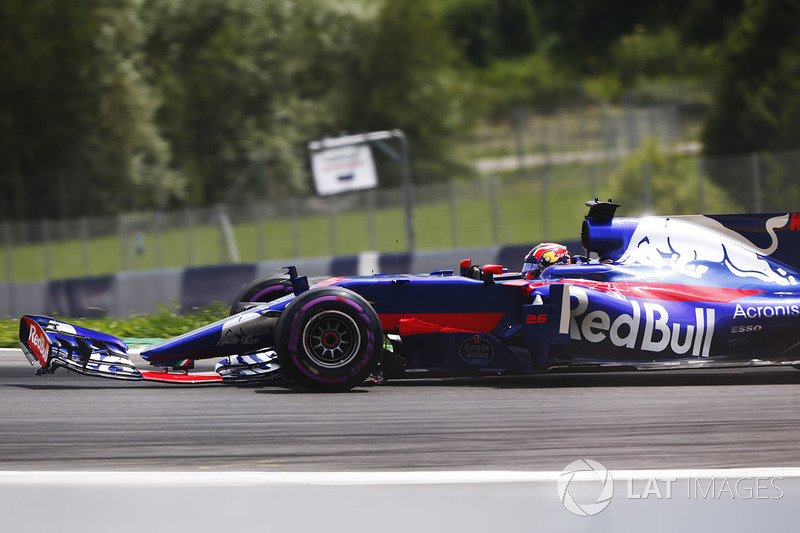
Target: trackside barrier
[[143, 291], [134, 292], [203, 285], [87, 297], [711, 500], [17, 299]]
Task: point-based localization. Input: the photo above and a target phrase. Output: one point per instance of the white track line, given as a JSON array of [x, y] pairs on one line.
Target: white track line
[[359, 478]]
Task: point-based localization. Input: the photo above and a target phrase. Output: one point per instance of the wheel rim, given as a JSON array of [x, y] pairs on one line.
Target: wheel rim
[[331, 339]]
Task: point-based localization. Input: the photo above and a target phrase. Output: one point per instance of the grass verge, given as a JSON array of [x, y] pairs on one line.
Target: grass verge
[[161, 325]]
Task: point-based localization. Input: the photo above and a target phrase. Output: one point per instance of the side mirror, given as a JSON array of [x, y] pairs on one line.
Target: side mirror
[[464, 267], [489, 272]]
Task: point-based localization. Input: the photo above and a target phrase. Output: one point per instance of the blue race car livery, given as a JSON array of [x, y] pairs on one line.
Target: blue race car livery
[[651, 293]]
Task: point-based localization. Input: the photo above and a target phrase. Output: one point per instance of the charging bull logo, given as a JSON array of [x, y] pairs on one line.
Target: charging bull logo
[[685, 244], [242, 329], [656, 333]]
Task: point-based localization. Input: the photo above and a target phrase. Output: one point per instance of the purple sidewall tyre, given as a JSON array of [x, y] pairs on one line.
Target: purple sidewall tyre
[[329, 339]]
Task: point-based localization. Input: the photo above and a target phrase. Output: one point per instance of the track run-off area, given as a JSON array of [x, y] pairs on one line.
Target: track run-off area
[[689, 450], [737, 418]]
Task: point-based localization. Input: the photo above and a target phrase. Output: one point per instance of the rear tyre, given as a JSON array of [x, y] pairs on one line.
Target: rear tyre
[[329, 339]]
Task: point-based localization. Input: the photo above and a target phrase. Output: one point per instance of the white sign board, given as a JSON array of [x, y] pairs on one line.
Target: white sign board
[[348, 168]]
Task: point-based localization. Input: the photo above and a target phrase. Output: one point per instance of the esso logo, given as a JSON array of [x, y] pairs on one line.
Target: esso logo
[[745, 329], [536, 319]]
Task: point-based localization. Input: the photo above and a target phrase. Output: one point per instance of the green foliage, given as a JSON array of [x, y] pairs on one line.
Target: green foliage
[[673, 184], [161, 325], [76, 130], [662, 53], [487, 29], [119, 105], [409, 81], [243, 81], [757, 104], [532, 80], [762, 63]]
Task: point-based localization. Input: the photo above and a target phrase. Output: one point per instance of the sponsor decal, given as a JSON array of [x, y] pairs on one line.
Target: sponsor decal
[[765, 311], [690, 245], [328, 282], [647, 327], [476, 351], [746, 329], [241, 329], [38, 341], [794, 225], [536, 319]]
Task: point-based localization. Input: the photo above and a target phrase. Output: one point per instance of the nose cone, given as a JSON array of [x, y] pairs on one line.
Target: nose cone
[[241, 333]]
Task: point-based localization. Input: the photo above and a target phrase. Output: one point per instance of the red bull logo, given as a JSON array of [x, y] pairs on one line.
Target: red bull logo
[[38, 341], [646, 327]]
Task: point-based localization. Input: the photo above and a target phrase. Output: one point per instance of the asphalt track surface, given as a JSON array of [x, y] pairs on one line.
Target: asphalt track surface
[[675, 419]]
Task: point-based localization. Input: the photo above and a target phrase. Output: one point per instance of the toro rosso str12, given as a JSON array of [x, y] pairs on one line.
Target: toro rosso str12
[[654, 293]]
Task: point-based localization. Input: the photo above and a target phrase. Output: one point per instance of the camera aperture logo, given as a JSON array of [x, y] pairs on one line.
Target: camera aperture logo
[[585, 487]]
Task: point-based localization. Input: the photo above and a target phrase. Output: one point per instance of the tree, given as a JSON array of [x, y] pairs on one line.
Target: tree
[[757, 104], [409, 79], [76, 129], [672, 182]]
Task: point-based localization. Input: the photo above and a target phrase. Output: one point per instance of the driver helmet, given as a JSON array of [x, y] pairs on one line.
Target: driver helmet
[[543, 256]]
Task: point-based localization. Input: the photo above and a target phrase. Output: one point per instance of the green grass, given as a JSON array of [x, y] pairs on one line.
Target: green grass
[[161, 325], [438, 224]]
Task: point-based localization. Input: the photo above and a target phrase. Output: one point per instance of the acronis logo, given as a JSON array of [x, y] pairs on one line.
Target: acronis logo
[[646, 327]]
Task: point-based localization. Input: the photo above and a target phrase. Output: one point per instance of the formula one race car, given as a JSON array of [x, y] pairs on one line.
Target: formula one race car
[[657, 293]]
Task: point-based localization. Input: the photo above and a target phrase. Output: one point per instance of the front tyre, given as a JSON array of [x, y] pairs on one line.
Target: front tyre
[[262, 290], [329, 339]]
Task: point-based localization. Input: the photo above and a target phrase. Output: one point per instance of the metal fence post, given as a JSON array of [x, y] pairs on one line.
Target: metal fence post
[[451, 200], [674, 126], [158, 222], [647, 189], [295, 229], [123, 239], [187, 218], [84, 231], [371, 219], [332, 226], [7, 245], [561, 135], [701, 193], [260, 229], [46, 248], [546, 185], [754, 158], [631, 130], [12, 310], [517, 120], [227, 237], [495, 209]]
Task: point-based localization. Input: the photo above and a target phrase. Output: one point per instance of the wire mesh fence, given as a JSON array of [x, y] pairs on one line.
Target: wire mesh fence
[[534, 171], [538, 203]]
